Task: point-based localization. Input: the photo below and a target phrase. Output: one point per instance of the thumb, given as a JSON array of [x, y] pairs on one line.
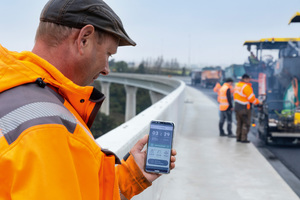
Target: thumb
[[140, 144]]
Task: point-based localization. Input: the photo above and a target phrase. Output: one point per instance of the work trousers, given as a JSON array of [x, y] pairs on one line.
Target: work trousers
[[225, 115], [243, 122]]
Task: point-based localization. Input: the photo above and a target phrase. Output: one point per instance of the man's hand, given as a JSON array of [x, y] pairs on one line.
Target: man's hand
[[140, 158]]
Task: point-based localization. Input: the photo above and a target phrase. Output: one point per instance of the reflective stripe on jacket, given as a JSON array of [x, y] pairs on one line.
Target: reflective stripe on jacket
[[224, 104], [243, 95], [46, 148]]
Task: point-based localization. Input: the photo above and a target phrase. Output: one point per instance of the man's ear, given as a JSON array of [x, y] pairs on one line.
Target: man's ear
[[85, 37]]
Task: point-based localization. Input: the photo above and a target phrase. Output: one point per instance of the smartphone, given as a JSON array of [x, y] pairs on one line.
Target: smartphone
[[159, 147]]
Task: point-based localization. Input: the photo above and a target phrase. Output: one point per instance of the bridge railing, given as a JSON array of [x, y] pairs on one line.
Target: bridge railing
[[121, 139]]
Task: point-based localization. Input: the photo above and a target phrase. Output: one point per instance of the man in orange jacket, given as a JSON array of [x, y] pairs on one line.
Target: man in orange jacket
[[46, 148], [243, 99], [225, 106]]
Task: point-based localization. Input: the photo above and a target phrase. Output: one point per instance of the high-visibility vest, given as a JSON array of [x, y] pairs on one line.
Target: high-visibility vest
[[217, 87], [243, 94], [224, 104]]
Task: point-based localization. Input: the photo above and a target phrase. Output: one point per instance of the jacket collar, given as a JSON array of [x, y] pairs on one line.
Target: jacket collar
[[86, 100], [250, 84], [26, 67]]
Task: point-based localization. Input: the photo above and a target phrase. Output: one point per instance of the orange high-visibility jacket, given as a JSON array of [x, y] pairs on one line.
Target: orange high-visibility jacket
[[46, 148], [224, 104], [243, 94]]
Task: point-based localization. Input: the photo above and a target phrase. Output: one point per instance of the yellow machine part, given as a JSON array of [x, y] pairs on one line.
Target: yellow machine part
[[297, 118]]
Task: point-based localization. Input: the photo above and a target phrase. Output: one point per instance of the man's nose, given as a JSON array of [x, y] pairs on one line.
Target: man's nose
[[106, 70]]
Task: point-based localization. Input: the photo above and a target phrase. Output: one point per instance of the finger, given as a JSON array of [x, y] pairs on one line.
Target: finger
[[140, 144], [174, 152], [172, 165], [173, 159]]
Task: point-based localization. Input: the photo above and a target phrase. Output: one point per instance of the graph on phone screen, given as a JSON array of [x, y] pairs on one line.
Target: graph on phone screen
[[159, 147]]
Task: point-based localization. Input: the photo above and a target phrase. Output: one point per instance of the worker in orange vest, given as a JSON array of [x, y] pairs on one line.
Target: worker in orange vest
[[217, 87], [225, 106], [243, 99]]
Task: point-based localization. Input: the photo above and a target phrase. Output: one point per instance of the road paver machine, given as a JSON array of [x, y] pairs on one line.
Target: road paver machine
[[276, 83]]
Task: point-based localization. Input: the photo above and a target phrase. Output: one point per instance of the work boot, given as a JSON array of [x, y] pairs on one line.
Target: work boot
[[245, 141], [231, 135], [222, 134]]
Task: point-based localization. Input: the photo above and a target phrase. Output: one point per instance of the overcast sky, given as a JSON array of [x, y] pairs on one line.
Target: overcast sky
[[192, 31]]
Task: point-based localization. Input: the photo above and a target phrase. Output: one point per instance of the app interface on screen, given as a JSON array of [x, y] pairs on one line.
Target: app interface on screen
[[159, 147]]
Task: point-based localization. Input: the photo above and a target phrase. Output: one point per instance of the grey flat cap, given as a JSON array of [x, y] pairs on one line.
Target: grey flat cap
[[78, 13]]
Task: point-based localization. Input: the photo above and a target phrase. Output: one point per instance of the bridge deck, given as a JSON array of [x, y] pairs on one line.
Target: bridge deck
[[210, 167]]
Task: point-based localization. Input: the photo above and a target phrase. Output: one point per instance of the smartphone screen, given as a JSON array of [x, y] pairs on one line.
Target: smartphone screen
[[159, 147]]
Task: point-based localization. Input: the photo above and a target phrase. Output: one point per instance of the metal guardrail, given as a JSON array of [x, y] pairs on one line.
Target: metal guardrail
[[170, 108]]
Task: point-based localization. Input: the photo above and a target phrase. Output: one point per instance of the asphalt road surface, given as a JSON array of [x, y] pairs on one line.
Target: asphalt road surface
[[284, 159]]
